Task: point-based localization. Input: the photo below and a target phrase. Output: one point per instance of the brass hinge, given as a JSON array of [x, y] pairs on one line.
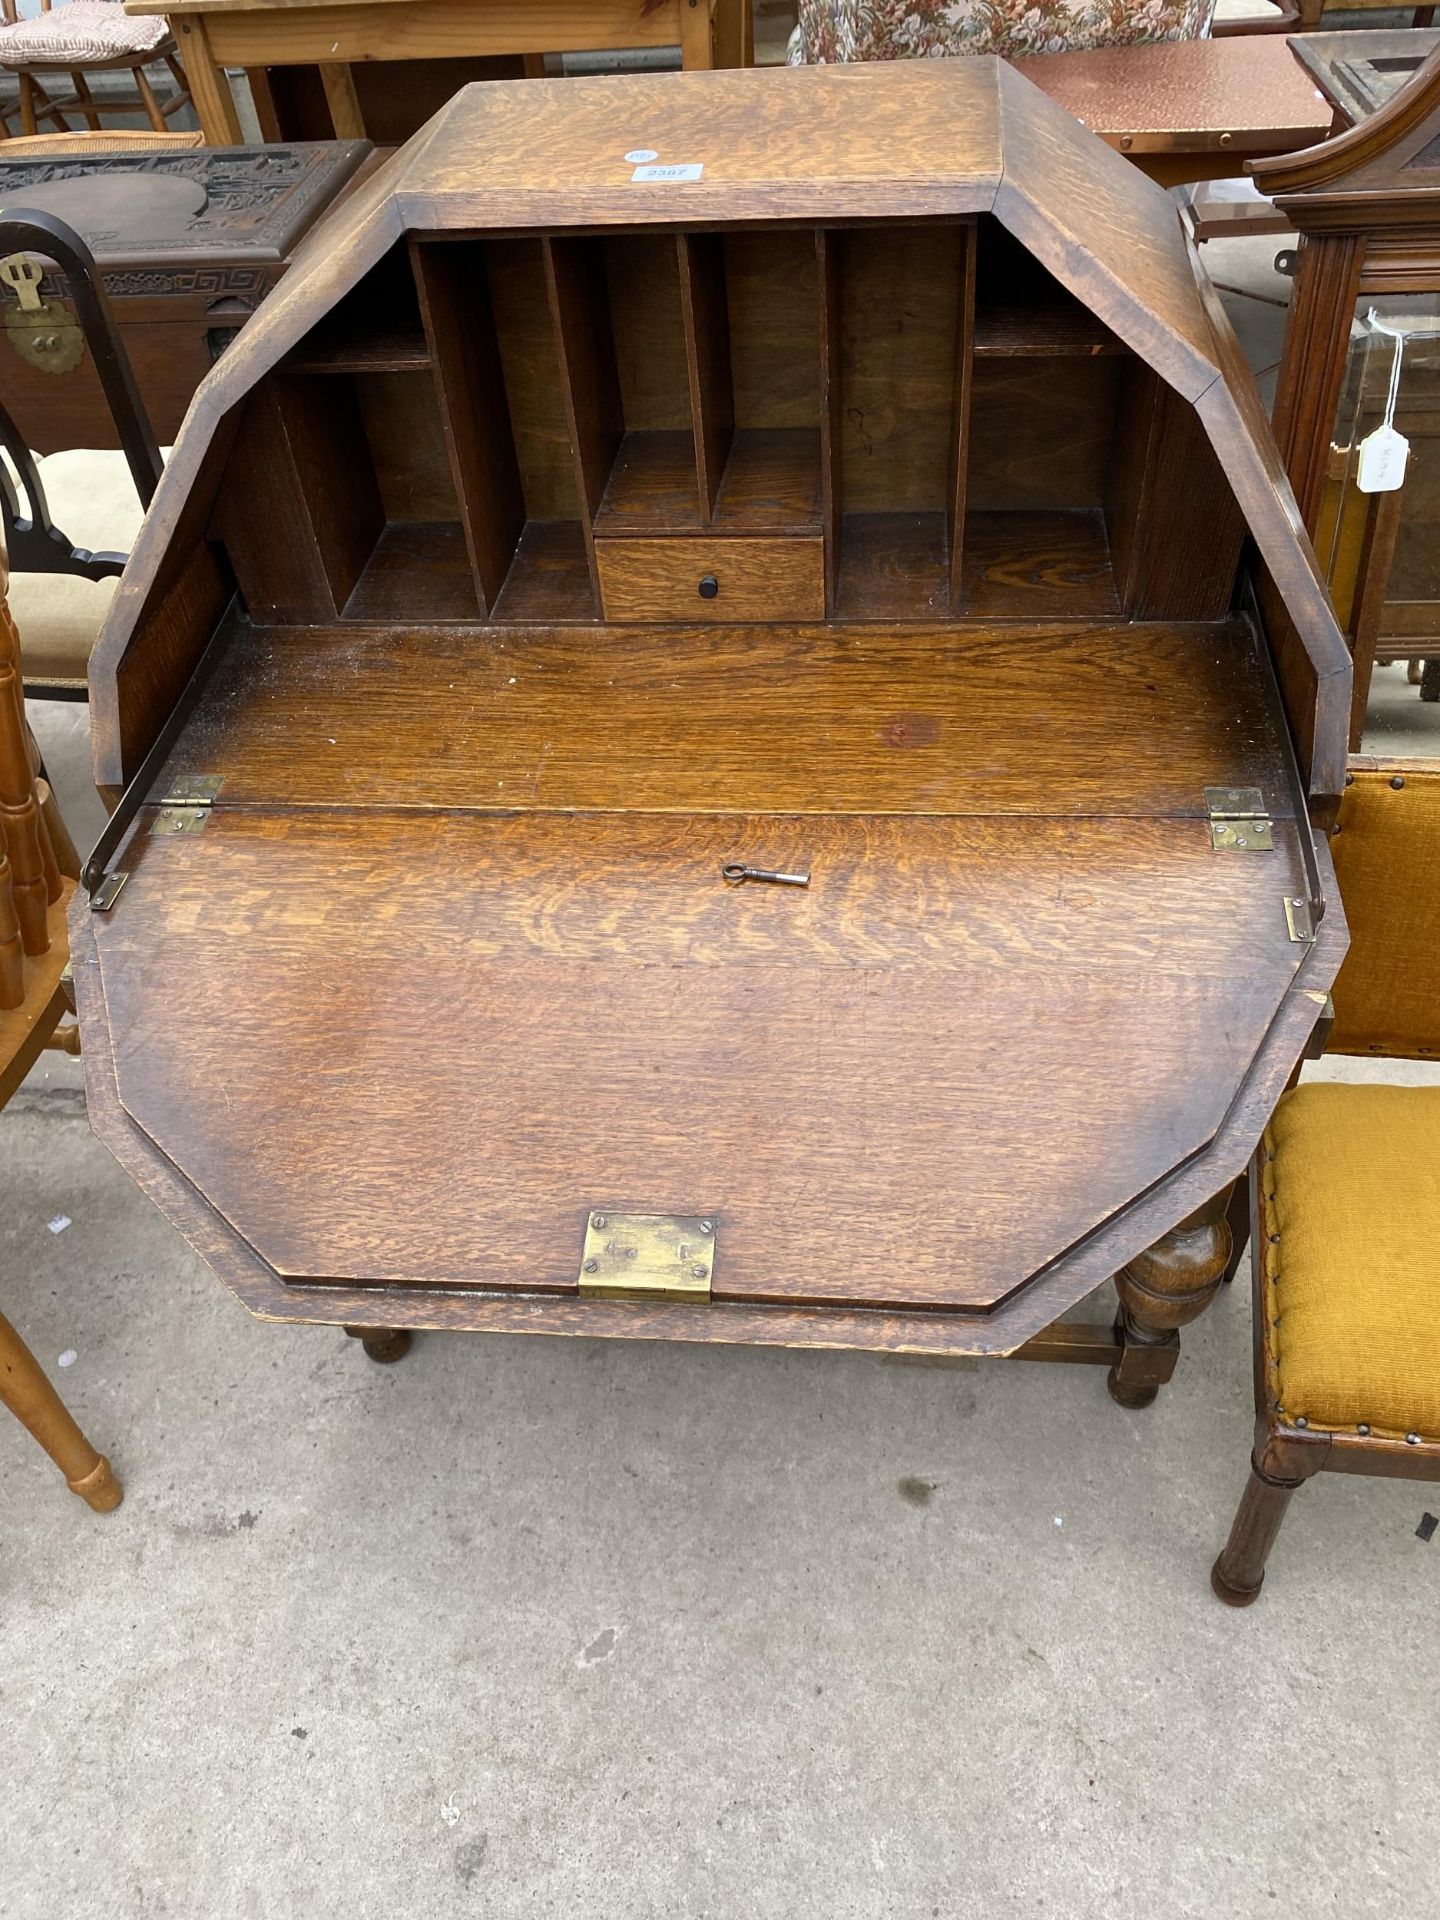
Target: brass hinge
[[1299, 919], [185, 808], [647, 1256], [1239, 820]]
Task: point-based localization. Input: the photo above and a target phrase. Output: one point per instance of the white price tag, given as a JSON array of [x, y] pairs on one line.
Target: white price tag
[[692, 171], [1383, 455]]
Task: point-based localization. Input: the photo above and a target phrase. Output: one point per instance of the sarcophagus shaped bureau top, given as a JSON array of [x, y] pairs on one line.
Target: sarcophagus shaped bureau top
[[867, 488]]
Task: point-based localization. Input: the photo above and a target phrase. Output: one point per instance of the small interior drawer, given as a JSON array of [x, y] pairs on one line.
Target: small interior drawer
[[712, 579]]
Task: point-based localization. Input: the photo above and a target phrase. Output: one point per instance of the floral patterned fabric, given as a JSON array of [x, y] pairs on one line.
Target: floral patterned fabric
[[831, 30]]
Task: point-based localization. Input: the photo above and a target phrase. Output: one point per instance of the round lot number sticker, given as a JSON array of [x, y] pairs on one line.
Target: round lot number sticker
[[639, 155]]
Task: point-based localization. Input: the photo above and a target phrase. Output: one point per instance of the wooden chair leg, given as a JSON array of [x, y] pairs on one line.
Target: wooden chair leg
[[81, 87], [385, 1344], [151, 104], [12, 951], [30, 1397], [1239, 1573], [66, 853], [182, 85], [40, 106]]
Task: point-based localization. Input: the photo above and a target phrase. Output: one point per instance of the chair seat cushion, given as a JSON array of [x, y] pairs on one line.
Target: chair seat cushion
[[1351, 1256], [92, 499], [83, 30]]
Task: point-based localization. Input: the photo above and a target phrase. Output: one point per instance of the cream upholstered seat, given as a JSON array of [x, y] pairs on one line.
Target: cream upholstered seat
[[92, 498]]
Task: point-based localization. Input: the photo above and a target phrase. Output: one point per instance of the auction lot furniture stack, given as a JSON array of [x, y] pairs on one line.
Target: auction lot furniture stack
[[726, 747]]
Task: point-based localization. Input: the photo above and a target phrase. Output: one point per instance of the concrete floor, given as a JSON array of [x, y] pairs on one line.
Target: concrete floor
[[532, 1627]]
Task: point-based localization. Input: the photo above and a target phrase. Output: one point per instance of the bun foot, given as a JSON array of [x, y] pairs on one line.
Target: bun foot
[[1127, 1394], [383, 1344]]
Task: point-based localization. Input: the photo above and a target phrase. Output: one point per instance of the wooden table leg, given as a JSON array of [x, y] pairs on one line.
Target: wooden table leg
[[262, 94], [209, 89], [1165, 1288], [734, 33], [697, 46], [36, 1405], [343, 101]]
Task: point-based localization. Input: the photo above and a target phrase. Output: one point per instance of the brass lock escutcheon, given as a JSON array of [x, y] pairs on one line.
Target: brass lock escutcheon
[[42, 332]]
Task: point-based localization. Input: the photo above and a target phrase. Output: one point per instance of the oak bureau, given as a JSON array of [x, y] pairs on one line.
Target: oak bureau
[[657, 484]]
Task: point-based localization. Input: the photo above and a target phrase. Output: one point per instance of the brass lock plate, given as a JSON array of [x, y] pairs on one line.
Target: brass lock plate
[[647, 1256], [45, 337], [42, 332]]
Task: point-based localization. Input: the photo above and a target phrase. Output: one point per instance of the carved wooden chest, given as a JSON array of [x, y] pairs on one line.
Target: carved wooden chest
[[188, 243], [754, 731]]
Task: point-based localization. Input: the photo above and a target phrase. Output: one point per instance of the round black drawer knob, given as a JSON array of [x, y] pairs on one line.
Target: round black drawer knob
[[709, 586]]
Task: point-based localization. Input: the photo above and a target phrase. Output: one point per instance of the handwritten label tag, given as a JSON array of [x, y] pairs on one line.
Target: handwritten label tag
[[1383, 455], [691, 171]]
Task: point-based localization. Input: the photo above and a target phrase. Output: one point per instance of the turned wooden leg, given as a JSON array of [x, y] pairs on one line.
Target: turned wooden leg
[[36, 1405], [1430, 679], [1163, 1289], [1239, 1573], [149, 101], [385, 1344], [80, 87], [12, 953]]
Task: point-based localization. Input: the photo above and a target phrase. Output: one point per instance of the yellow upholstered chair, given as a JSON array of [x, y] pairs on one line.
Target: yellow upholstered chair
[[1346, 1195]]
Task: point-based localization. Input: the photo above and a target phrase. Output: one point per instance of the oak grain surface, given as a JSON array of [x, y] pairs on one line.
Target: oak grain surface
[[857, 1079], [1040, 719]]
